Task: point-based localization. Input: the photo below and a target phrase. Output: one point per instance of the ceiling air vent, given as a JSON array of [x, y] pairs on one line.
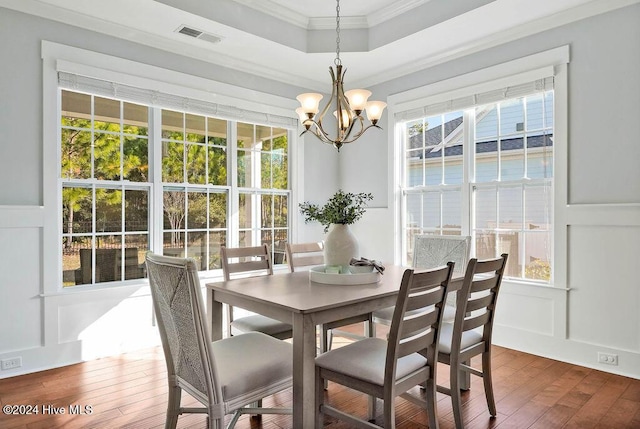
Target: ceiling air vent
[[198, 34]]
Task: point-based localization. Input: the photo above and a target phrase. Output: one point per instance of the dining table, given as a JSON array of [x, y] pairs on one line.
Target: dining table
[[292, 297]]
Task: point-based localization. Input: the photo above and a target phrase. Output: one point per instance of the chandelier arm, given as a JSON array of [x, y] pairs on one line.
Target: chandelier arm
[[357, 136]]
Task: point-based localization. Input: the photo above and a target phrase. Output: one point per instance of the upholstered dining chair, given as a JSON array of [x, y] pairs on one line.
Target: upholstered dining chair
[[254, 260], [431, 251], [309, 254], [225, 375], [389, 368], [470, 333]]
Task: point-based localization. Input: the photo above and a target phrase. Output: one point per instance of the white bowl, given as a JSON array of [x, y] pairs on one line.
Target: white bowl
[[360, 269]]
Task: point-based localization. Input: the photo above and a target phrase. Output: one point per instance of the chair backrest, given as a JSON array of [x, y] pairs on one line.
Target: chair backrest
[[177, 300], [245, 259], [476, 300], [304, 254], [415, 327], [430, 251]]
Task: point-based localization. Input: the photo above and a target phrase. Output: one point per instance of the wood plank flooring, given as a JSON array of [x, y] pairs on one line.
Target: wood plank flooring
[[130, 391]]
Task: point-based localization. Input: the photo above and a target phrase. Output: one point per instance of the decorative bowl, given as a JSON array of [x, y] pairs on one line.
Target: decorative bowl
[[360, 269]]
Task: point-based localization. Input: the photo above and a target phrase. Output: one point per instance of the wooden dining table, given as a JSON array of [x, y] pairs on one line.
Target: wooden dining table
[[293, 298]]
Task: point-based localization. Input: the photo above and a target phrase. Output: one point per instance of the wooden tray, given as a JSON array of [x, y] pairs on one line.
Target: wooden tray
[[317, 274]]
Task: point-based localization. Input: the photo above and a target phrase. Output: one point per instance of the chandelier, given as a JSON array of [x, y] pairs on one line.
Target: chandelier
[[348, 106]]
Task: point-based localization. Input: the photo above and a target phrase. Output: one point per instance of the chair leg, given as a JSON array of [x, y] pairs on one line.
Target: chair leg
[[371, 408], [389, 412], [324, 339], [430, 390], [488, 383], [454, 377], [173, 407]]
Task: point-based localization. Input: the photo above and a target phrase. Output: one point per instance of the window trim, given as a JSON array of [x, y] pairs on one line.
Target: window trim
[[552, 63], [57, 57]]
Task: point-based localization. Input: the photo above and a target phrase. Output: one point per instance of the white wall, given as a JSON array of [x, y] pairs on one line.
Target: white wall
[[598, 308]]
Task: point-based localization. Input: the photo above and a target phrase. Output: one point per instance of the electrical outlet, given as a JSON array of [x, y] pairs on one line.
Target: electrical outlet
[[12, 363], [608, 358]]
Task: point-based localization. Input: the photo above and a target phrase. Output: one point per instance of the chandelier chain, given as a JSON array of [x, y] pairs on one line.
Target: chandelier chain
[[337, 61]]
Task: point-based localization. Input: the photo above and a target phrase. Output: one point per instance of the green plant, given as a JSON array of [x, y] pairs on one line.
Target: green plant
[[342, 208]]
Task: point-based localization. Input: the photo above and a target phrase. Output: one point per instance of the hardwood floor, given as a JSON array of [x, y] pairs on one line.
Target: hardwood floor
[[130, 391]]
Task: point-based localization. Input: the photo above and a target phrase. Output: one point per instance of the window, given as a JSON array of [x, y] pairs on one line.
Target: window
[[214, 182], [484, 171]]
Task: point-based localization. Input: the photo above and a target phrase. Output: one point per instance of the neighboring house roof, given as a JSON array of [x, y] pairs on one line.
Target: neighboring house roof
[[433, 138]]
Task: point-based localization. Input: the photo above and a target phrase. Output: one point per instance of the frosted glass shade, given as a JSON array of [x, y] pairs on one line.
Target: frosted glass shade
[[357, 98], [309, 102], [374, 110]]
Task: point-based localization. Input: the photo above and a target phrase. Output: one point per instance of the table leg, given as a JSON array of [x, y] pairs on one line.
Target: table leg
[[214, 316], [304, 352]]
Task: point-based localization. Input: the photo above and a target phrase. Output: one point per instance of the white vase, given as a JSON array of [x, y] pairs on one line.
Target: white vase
[[340, 245]]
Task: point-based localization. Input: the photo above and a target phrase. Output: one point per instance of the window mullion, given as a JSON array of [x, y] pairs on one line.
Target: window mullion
[[157, 189]]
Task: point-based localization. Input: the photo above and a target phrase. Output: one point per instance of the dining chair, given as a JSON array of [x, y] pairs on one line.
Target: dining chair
[[253, 260], [431, 251], [470, 333], [224, 375], [389, 368], [309, 254]]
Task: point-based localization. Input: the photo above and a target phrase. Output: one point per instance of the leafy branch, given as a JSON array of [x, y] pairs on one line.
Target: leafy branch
[[341, 208]]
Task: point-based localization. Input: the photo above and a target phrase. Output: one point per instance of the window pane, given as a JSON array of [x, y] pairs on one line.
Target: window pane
[[172, 162], [454, 139], [539, 157], [265, 170], [512, 116], [196, 164], [135, 119], [136, 159], [108, 210], [510, 207], [195, 128], [280, 211], [173, 243], [71, 273], [245, 178], [485, 208], [136, 210], [434, 146], [108, 254], [512, 158], [263, 138], [485, 244], [106, 154], [413, 210], [414, 168], [76, 110], [197, 248], [486, 122], [431, 210], [196, 210], [172, 125], [279, 170], [216, 240], [245, 209], [245, 135], [77, 206], [217, 210], [508, 242], [452, 209], [266, 212], [217, 166], [135, 248], [537, 256], [173, 209], [538, 207], [548, 109], [534, 112], [107, 114], [75, 154], [216, 132]]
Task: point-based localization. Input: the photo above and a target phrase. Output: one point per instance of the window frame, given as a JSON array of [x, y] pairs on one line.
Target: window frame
[[403, 106], [61, 58]]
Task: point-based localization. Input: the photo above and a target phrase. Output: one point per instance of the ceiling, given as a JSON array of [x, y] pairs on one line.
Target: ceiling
[[294, 41]]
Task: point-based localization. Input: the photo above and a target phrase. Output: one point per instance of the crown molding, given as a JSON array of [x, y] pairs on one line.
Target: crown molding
[[393, 10], [277, 11]]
